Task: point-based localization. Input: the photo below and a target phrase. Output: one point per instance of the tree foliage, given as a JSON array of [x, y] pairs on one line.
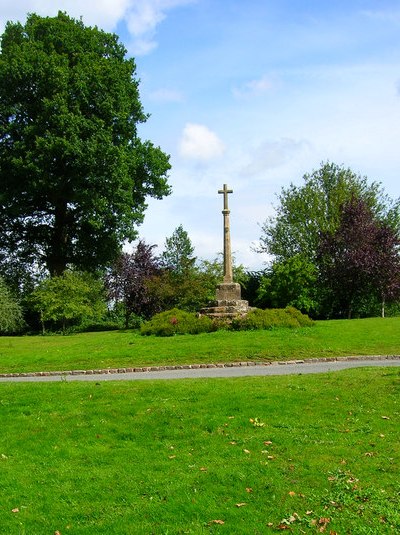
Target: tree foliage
[[305, 211], [127, 282], [322, 237], [178, 253], [291, 282], [361, 257], [74, 175], [189, 291], [11, 317], [71, 298]]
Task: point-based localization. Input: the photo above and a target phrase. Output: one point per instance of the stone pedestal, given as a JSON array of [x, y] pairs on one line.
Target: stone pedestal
[[228, 304], [228, 291]]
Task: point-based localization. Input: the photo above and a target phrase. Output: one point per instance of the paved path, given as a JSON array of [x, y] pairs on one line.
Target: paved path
[[288, 368]]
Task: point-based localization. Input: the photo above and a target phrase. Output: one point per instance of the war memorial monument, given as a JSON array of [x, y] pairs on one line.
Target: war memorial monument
[[228, 303]]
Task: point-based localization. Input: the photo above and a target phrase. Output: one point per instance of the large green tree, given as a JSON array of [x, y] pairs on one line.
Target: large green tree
[[306, 210], [70, 298], [360, 260], [291, 282], [74, 174], [178, 252]]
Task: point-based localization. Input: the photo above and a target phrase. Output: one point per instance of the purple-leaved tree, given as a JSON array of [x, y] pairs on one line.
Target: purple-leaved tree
[[127, 281], [359, 259]]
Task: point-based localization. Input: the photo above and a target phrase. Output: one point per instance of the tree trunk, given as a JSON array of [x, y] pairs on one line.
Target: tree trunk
[[349, 313], [383, 306], [57, 258]]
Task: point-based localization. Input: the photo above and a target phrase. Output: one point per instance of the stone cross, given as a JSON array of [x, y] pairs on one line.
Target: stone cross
[[228, 276]]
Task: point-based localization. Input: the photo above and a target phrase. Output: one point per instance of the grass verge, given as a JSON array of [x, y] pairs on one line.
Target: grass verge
[[309, 454], [372, 336]]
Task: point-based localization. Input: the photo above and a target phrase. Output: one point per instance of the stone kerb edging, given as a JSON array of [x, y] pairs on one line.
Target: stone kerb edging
[[104, 371]]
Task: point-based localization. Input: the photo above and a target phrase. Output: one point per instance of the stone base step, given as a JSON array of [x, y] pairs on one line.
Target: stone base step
[[233, 310]]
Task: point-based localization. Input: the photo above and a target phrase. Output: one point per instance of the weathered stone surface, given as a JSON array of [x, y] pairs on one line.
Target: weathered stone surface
[[228, 304], [228, 291]]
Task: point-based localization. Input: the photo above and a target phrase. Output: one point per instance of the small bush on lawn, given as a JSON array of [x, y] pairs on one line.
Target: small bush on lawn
[[176, 321], [270, 318]]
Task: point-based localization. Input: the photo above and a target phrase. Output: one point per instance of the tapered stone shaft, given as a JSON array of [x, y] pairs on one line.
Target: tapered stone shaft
[[228, 274]]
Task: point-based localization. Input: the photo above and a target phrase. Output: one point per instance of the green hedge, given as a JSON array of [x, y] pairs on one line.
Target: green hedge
[[177, 321], [271, 318]]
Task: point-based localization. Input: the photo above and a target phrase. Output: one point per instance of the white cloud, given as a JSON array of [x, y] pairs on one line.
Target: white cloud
[[103, 13], [200, 143], [253, 88], [272, 154], [166, 95], [141, 16], [384, 15]]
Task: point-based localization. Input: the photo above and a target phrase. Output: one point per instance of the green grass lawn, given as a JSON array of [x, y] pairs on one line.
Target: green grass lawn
[[312, 454], [373, 336]]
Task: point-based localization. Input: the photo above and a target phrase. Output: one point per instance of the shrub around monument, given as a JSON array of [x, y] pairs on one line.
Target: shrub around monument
[[176, 321], [271, 318]]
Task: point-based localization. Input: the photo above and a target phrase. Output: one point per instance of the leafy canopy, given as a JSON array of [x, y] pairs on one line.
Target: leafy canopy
[[178, 253], [69, 298], [360, 258], [127, 280], [307, 210], [11, 317], [74, 174], [334, 240]]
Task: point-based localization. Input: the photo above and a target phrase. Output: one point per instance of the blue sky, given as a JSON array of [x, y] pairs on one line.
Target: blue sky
[[253, 93]]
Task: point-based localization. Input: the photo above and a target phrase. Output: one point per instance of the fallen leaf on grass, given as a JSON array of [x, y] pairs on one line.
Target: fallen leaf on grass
[[292, 493], [323, 522], [267, 442], [385, 418], [171, 456], [216, 522], [15, 510], [203, 469], [249, 489], [232, 442], [257, 422], [285, 522], [241, 504], [246, 451]]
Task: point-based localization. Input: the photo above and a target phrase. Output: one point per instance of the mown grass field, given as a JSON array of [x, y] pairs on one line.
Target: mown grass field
[[310, 454], [372, 336]]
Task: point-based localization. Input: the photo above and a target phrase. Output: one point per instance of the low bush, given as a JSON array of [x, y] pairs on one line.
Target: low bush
[[271, 318], [176, 321]]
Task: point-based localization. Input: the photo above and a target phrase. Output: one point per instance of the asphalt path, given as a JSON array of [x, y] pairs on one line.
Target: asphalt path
[[227, 372]]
